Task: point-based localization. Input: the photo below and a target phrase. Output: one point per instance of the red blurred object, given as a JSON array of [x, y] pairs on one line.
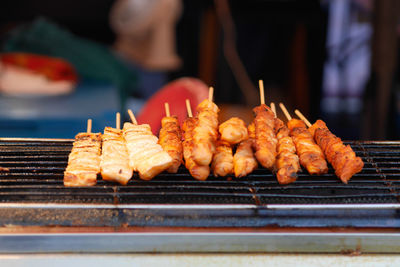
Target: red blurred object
[[55, 69], [175, 93]]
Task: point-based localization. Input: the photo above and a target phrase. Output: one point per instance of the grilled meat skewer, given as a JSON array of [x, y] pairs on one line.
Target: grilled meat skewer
[[84, 160], [244, 161], [233, 131], [342, 158], [170, 139], [287, 161], [199, 172], [222, 163], [265, 139], [114, 162], [205, 132], [310, 154], [145, 154]]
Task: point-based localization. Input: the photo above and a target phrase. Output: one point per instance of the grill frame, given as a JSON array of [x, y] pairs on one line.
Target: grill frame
[[259, 225], [33, 190]]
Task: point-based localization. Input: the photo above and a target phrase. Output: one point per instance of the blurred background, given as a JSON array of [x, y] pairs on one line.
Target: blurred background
[[63, 62]]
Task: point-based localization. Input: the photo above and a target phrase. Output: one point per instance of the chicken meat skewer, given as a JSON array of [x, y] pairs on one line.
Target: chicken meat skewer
[[244, 161], [287, 161], [233, 131], [222, 163], [170, 139], [342, 158], [311, 156], [146, 156], [114, 164], [265, 139], [199, 172], [205, 132], [84, 159]]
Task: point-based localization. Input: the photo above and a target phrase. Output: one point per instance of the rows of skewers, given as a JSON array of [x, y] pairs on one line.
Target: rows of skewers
[[204, 146]]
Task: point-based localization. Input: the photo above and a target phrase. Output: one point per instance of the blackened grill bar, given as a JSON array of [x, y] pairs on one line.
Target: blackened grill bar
[[31, 184]]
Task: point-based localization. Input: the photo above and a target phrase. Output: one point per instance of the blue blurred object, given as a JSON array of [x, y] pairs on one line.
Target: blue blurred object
[[60, 116]]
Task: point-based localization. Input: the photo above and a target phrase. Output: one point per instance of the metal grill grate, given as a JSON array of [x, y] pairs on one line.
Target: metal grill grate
[[35, 174]]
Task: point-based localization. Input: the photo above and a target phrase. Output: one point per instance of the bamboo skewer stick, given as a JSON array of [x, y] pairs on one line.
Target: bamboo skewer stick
[[211, 94], [133, 119], [283, 108], [302, 117], [167, 113], [262, 97], [188, 108], [118, 121], [273, 108], [89, 126]]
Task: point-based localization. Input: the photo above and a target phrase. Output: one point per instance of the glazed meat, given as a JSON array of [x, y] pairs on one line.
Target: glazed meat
[[265, 140], [244, 161], [170, 139], [233, 131], [199, 172], [205, 133], [287, 161], [222, 163], [310, 154], [342, 158]]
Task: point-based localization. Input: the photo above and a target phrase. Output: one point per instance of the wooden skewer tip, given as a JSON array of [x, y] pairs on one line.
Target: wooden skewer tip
[[167, 113], [118, 121], [273, 108], [188, 108], [211, 94], [89, 126], [302, 117], [132, 116], [283, 108], [262, 97]]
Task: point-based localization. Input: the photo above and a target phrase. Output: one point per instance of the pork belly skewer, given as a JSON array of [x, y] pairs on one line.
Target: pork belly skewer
[[311, 156], [265, 139], [170, 138], [199, 172], [287, 161], [342, 158], [244, 161], [205, 132], [146, 156], [84, 159], [114, 164]]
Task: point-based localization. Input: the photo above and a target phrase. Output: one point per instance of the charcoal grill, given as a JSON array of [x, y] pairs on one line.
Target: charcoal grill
[[177, 213]]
